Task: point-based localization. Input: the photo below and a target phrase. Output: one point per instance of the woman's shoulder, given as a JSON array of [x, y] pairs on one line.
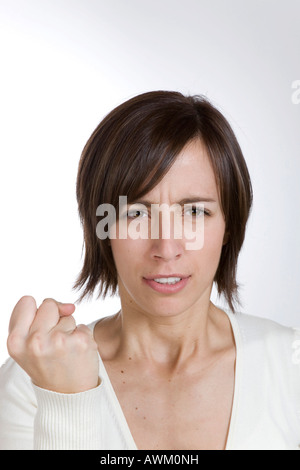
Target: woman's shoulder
[[14, 381], [259, 327], [279, 342]]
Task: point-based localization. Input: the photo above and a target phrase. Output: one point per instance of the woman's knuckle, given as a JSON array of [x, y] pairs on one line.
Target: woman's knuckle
[[82, 339], [49, 301], [36, 344], [26, 298], [14, 344], [58, 340]]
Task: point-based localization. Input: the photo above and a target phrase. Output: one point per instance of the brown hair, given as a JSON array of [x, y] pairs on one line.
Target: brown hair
[[129, 153]]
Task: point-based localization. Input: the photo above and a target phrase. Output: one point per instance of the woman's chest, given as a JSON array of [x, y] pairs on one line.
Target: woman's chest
[[176, 413]]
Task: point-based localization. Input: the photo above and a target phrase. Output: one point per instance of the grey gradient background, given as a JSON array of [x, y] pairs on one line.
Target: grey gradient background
[[66, 63]]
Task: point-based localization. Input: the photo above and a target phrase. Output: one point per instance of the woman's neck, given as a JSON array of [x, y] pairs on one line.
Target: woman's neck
[[164, 341]]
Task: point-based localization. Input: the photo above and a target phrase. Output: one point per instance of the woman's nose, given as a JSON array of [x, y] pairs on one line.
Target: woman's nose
[[166, 249], [165, 240]]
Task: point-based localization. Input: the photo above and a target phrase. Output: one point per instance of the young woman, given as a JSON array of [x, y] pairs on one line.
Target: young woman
[[170, 370]]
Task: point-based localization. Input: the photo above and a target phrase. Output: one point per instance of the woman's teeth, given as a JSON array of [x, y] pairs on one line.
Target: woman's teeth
[[168, 280]]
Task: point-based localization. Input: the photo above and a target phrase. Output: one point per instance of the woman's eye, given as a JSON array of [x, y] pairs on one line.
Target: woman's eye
[[195, 211], [135, 214]]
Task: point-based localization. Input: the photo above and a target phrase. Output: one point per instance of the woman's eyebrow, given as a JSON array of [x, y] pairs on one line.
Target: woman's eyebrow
[[189, 200], [186, 200]]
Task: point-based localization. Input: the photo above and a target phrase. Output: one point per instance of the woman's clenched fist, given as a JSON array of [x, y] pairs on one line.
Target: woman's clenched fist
[[47, 344]]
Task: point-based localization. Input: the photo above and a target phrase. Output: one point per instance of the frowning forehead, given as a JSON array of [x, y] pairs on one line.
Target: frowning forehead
[[190, 179], [186, 200]]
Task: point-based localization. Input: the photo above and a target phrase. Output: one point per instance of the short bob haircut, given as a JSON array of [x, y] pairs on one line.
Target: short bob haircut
[[129, 153]]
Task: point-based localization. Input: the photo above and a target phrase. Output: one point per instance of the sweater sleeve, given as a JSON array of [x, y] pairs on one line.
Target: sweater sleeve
[[17, 408], [34, 418], [68, 421]]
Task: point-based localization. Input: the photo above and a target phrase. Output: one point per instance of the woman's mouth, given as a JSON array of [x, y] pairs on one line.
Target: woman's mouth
[[167, 284]]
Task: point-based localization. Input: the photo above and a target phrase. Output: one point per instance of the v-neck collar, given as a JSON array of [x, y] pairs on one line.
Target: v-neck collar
[[130, 442], [237, 382], [237, 378]]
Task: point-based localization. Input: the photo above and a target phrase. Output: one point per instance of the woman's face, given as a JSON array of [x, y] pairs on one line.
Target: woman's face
[[184, 276]]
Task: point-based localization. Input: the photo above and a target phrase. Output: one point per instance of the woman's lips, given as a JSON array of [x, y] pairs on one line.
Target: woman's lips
[[167, 288]]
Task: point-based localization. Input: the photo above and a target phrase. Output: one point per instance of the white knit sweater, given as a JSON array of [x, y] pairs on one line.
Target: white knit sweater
[[265, 414]]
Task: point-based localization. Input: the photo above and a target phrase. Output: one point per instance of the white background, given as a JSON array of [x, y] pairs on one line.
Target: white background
[[66, 63]]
